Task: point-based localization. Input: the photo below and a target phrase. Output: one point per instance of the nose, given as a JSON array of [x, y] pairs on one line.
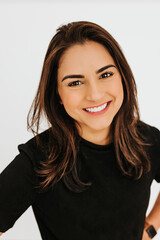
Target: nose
[[94, 92]]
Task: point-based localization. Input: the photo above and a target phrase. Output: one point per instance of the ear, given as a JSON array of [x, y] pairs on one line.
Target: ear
[[59, 99]]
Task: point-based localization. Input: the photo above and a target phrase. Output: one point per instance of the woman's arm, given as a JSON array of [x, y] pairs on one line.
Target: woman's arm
[[20, 172], [1, 233], [153, 218]]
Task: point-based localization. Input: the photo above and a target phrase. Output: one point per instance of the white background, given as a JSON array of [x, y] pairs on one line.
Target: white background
[[26, 28]]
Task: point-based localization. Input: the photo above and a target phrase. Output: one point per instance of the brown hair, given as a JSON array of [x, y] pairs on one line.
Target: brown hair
[[63, 142]]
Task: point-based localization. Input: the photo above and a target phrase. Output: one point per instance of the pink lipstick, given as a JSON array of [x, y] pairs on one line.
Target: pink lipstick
[[99, 112]]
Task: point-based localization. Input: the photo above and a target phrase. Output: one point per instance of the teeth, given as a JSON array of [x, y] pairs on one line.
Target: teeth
[[96, 109]]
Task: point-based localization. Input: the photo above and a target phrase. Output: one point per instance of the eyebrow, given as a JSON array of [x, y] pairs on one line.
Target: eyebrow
[[82, 76]]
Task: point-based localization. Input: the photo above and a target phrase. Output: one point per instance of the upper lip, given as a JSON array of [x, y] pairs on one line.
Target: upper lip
[[98, 105]]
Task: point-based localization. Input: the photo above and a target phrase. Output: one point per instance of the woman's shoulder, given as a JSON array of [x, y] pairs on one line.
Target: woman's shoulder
[[42, 137], [151, 132], [36, 147]]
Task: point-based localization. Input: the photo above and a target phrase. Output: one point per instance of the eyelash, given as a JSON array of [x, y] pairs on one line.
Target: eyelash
[[75, 82]]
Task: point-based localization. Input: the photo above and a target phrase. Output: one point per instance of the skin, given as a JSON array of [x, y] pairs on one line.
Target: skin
[[153, 217], [94, 89]]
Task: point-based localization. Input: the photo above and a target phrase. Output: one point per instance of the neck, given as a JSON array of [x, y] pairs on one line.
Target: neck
[[100, 138]]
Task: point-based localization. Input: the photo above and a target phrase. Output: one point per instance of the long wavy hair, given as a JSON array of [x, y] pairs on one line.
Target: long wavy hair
[[63, 140]]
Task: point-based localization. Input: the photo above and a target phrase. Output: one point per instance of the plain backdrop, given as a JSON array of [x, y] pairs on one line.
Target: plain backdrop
[[26, 28]]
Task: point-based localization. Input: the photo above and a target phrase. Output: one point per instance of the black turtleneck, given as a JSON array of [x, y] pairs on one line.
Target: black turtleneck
[[112, 208]]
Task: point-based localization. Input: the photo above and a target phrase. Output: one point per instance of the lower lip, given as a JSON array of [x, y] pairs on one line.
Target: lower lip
[[100, 112]]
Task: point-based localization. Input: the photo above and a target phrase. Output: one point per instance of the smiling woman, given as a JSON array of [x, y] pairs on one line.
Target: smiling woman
[[91, 90], [88, 176]]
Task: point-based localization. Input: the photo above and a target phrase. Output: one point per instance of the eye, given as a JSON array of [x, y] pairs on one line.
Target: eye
[[106, 75], [75, 83]]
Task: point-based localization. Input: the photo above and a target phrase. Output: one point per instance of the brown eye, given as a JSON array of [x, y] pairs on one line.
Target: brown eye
[[106, 75], [75, 83]]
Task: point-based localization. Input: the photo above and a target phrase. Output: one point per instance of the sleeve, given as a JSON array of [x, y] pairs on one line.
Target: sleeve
[[17, 191], [157, 154]]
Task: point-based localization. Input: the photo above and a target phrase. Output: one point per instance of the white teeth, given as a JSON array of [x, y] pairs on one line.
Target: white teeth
[[96, 109]]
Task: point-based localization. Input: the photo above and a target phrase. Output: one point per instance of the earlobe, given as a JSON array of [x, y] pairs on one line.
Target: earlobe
[[59, 99]]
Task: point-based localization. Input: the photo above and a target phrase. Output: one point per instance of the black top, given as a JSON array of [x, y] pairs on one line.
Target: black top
[[114, 207]]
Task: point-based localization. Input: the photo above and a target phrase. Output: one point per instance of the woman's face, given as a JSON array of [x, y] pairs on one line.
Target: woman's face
[[90, 86]]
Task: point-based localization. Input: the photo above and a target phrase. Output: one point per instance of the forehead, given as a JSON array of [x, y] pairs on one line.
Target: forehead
[[89, 53]]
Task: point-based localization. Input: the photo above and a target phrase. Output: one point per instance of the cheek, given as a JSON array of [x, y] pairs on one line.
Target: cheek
[[71, 100], [116, 89], [120, 90]]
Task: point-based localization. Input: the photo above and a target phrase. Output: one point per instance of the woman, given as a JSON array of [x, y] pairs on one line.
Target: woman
[[88, 176]]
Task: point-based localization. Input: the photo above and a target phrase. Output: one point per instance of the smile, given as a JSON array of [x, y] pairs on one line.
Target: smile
[[97, 109]]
